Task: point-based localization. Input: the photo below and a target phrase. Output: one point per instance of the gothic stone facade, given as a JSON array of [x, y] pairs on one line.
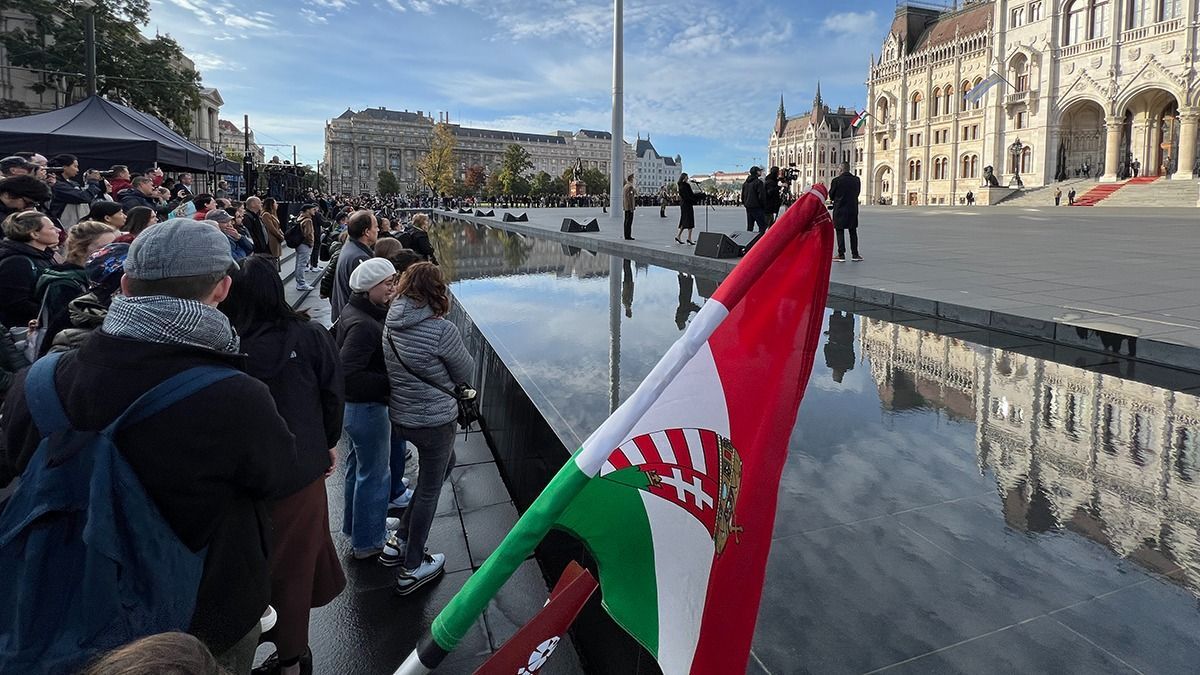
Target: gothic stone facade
[[358, 145], [816, 143], [1095, 82]]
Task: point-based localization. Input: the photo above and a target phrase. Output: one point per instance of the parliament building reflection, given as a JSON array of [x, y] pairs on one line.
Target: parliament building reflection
[[1113, 460]]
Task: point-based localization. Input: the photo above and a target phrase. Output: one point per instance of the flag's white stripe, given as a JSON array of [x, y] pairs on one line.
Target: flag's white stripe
[[631, 452], [698, 399], [696, 450], [607, 468], [663, 445], [683, 553]]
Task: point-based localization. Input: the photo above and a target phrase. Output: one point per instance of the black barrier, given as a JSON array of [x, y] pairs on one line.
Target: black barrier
[[572, 225]]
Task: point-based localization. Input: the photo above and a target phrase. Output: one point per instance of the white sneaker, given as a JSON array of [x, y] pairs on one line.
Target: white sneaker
[[269, 617], [393, 551], [430, 569], [391, 525], [403, 500]]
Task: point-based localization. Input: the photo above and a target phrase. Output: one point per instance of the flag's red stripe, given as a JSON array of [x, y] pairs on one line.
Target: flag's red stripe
[[619, 460], [763, 353], [680, 447], [648, 450], [708, 440]]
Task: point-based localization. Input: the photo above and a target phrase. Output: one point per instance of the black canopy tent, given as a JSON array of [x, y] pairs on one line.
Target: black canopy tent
[[102, 133]]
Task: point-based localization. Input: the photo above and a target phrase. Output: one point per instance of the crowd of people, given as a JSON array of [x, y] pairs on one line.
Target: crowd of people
[[163, 345]]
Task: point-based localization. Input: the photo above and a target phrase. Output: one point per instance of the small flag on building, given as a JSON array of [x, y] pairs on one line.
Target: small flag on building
[[859, 120], [975, 93], [674, 494], [528, 651]]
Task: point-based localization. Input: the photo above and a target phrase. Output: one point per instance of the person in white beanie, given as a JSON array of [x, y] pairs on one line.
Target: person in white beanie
[[359, 335]]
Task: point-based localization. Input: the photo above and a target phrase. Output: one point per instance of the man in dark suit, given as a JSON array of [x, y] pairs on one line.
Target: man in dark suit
[[843, 192]]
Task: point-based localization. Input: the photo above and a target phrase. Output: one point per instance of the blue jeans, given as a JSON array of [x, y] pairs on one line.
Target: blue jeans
[[398, 461], [367, 474]]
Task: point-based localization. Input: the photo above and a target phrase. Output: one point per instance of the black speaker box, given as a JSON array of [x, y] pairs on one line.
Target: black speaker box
[[717, 245], [572, 225], [285, 210], [466, 211], [481, 214], [510, 218]]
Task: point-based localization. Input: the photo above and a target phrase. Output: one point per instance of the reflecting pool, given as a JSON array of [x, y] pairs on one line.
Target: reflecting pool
[[954, 500]]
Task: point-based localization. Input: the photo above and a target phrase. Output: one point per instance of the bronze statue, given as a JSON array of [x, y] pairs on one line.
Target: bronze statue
[[989, 177], [577, 171]]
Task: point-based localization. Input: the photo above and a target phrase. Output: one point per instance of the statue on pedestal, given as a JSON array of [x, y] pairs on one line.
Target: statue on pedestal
[[989, 177]]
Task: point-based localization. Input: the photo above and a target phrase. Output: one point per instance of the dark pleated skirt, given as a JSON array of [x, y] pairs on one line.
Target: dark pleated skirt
[[687, 219]]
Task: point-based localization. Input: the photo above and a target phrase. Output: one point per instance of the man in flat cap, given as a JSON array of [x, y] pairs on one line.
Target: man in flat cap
[[211, 461]]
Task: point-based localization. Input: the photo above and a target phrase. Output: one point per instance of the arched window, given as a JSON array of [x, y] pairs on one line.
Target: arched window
[[979, 101], [1026, 159], [1020, 72], [939, 168], [1077, 23], [962, 100], [968, 166], [916, 107], [914, 169], [1100, 19], [881, 110], [936, 102], [1170, 9], [948, 99]]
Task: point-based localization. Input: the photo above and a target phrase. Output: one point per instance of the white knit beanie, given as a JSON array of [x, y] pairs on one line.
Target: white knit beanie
[[370, 273]]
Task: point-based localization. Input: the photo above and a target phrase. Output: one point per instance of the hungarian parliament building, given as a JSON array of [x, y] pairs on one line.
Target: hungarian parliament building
[[1096, 87]]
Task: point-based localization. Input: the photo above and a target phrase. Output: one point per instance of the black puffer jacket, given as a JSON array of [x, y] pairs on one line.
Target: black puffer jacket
[[360, 343], [299, 362], [20, 267], [754, 194]]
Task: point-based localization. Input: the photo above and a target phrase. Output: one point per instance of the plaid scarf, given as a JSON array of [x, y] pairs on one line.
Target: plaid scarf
[[171, 321]]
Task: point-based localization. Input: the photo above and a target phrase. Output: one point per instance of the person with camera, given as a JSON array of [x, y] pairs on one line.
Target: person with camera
[[68, 193], [774, 195], [142, 193], [425, 358]]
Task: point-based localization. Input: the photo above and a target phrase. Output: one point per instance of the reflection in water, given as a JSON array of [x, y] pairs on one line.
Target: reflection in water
[[627, 287], [686, 306], [1112, 460], [839, 345]]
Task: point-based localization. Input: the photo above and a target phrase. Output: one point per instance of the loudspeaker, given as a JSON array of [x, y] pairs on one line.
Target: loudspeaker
[[466, 211], [285, 210], [510, 218], [481, 214], [717, 245], [572, 225]]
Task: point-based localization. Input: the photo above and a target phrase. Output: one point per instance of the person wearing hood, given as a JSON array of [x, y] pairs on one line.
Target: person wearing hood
[[298, 361], [104, 270], [359, 334], [27, 250], [21, 193], [423, 349], [240, 245]]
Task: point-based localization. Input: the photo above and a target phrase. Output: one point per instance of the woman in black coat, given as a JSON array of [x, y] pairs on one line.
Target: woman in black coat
[[298, 361], [687, 199]]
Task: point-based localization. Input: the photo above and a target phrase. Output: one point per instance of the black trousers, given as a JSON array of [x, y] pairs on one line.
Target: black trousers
[[756, 217], [841, 242], [629, 224]]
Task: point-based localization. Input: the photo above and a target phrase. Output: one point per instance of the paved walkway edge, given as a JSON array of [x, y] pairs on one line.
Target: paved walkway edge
[[1130, 346]]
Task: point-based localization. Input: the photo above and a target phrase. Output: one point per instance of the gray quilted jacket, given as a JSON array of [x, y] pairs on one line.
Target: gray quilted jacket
[[431, 346]]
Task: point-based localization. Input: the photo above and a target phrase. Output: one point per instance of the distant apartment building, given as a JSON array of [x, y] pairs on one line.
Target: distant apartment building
[[654, 172], [360, 144]]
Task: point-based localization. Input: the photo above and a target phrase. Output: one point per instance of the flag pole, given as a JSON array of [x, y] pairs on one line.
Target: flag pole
[[457, 617], [617, 161]]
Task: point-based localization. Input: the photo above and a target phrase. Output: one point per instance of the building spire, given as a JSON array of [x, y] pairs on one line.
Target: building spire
[[780, 118], [818, 108]]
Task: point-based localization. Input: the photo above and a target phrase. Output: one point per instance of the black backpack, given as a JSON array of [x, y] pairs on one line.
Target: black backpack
[[293, 236]]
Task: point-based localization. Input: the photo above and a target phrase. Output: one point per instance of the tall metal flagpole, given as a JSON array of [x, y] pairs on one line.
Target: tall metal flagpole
[[617, 163]]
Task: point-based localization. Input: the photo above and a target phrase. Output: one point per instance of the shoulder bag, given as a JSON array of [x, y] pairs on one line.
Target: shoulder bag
[[468, 408]]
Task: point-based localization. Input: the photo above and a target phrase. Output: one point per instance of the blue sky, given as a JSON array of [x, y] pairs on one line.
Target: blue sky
[[703, 78]]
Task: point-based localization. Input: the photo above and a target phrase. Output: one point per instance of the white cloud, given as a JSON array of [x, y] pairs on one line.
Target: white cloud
[[312, 16], [852, 23], [213, 62]]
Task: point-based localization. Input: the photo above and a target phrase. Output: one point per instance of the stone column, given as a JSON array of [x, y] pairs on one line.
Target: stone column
[[1112, 147], [1188, 120], [1153, 152]]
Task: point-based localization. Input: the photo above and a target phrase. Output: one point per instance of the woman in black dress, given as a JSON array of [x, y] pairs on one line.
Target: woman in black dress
[[687, 199]]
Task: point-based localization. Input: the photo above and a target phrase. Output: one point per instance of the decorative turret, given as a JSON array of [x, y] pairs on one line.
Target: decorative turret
[[818, 108], [780, 118]]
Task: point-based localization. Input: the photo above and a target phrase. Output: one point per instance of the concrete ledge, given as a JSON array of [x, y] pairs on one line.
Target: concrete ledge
[[1061, 332]]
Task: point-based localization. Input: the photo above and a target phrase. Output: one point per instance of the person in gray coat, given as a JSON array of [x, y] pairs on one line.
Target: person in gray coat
[[423, 349], [362, 230]]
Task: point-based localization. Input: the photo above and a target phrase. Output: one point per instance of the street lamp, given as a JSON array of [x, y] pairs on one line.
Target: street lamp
[[89, 39], [1016, 149]]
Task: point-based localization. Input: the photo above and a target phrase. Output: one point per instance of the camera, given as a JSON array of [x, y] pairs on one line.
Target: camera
[[465, 392], [54, 169], [789, 174]]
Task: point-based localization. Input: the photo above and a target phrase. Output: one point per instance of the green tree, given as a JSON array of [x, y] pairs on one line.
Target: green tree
[[540, 185], [559, 187], [515, 163], [596, 182], [493, 187], [145, 73], [312, 179], [387, 185], [436, 168]]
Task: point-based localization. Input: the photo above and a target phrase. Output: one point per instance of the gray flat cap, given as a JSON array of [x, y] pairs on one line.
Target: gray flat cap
[[180, 247]]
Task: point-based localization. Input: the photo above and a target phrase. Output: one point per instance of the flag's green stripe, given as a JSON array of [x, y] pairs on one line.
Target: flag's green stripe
[[610, 518], [465, 607]]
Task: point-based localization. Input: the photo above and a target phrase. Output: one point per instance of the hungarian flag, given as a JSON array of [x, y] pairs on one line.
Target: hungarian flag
[[860, 118], [674, 494]]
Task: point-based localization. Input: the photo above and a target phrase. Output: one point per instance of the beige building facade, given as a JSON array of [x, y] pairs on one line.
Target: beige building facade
[[358, 145], [1095, 84]]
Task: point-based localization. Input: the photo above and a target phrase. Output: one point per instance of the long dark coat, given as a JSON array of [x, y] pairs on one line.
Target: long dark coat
[[687, 199], [843, 192]]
